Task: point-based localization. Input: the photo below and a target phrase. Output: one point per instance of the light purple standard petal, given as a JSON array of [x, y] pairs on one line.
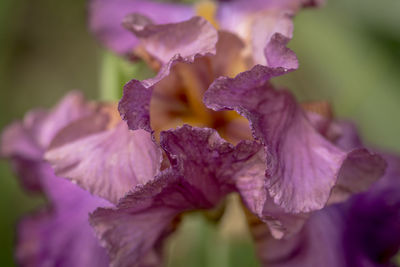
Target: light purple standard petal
[[108, 163], [302, 167], [164, 41], [106, 16], [202, 169], [266, 27], [170, 43]]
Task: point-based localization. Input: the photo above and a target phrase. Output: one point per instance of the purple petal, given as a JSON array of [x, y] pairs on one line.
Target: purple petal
[[24, 141], [298, 184], [278, 55], [202, 169], [357, 173], [171, 43], [17, 139], [107, 163], [134, 105], [62, 237], [164, 41], [72, 107], [106, 16], [58, 236], [364, 231], [258, 23], [348, 138]]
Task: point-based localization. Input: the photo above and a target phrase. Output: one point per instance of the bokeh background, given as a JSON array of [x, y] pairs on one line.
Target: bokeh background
[[349, 53]]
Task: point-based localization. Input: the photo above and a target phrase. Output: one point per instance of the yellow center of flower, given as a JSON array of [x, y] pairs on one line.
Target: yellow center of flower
[[178, 100], [207, 10]]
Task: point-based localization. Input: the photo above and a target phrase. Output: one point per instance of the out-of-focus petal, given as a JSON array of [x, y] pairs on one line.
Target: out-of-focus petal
[[364, 231], [348, 135], [180, 42], [202, 169], [266, 27], [61, 236], [302, 167], [164, 41], [108, 163], [106, 17], [359, 170], [24, 141], [278, 55], [58, 236]]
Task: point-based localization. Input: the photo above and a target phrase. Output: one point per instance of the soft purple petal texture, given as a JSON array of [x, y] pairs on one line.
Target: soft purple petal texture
[[203, 167], [302, 167], [342, 133], [57, 236], [348, 135], [258, 23], [278, 55], [106, 17], [181, 43], [61, 236], [17, 138], [364, 231], [266, 26], [108, 163], [24, 141], [360, 169]]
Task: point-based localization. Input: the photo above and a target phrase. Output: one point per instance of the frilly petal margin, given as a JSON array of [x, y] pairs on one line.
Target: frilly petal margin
[[107, 163], [106, 16], [180, 42], [296, 185], [201, 174]]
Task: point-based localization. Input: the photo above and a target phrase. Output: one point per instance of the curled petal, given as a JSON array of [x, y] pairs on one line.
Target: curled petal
[[106, 17], [302, 167], [202, 167]]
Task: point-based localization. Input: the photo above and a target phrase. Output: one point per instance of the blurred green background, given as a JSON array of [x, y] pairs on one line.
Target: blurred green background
[[349, 53]]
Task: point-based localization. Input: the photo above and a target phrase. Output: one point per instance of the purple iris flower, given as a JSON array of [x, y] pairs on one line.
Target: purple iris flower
[[143, 172], [286, 170]]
